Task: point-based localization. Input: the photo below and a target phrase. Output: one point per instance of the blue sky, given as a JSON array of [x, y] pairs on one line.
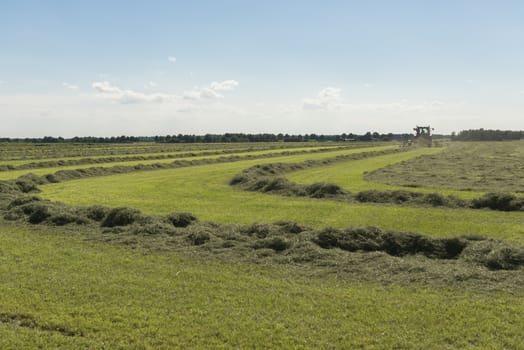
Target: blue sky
[[167, 67]]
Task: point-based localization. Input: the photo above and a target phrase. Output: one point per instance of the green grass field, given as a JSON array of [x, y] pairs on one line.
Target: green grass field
[[61, 291], [261, 148], [47, 151], [350, 175], [37, 161], [13, 174], [82, 287], [204, 191], [484, 166]]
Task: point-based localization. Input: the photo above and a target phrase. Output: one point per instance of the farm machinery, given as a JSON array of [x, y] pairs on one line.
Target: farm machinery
[[422, 136]]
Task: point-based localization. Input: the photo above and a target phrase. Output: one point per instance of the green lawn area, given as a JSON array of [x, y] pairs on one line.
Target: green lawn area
[[204, 191], [59, 290]]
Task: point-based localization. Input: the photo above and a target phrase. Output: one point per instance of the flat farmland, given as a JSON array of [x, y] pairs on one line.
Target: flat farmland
[[204, 191], [472, 166], [38, 152], [13, 174], [117, 261]]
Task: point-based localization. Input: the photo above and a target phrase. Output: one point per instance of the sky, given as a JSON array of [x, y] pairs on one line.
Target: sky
[[145, 68]]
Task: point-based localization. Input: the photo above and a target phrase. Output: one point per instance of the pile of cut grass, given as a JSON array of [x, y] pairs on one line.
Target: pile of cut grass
[[267, 179], [291, 243]]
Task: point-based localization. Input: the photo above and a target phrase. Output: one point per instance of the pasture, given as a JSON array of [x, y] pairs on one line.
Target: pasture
[[260, 270]]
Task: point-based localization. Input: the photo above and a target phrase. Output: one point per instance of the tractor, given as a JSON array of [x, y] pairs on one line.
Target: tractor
[[422, 137]]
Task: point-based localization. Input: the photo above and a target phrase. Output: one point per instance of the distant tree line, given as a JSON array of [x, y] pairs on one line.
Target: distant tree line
[[487, 135], [217, 138]]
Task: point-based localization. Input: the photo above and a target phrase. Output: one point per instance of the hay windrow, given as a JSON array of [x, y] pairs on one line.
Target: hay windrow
[[267, 179], [366, 254], [29, 183], [146, 157]]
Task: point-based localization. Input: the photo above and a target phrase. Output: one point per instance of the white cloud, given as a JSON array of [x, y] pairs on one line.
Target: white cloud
[[211, 92], [151, 84], [70, 86], [128, 96], [117, 94], [201, 93], [104, 113], [172, 59], [226, 85], [106, 87], [327, 99]]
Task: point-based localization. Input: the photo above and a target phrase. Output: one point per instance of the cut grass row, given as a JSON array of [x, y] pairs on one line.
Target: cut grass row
[[21, 151], [9, 175], [17, 151], [350, 175], [204, 191], [80, 158], [157, 154], [84, 295], [35, 152]]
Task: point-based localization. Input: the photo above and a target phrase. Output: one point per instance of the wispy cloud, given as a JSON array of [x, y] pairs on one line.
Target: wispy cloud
[[117, 94], [129, 96], [210, 92], [330, 99], [327, 99], [70, 86], [201, 93], [172, 59], [226, 85]]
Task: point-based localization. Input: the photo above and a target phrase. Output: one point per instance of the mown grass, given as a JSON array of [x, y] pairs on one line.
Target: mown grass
[[262, 147], [204, 191], [350, 175], [13, 174], [46, 151], [472, 166], [37, 151], [86, 295], [100, 157]]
